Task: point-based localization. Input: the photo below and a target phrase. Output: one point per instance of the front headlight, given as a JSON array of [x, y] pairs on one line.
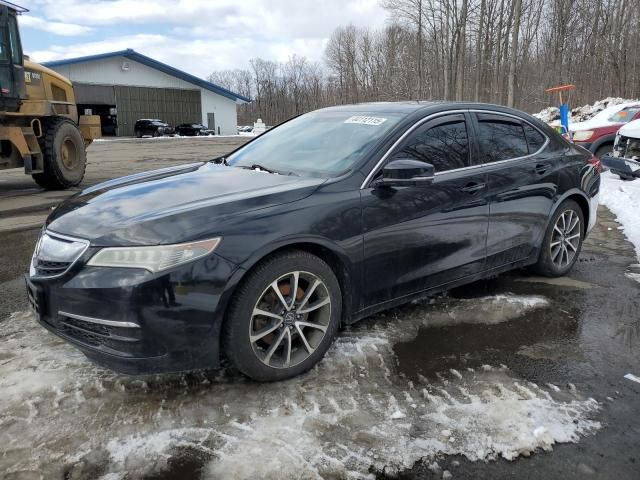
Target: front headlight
[[582, 135], [155, 258]]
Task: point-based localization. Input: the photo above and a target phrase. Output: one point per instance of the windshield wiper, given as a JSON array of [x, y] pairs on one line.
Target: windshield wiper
[[257, 166]]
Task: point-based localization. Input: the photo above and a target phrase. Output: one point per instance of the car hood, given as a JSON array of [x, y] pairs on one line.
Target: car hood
[[173, 205], [631, 129]]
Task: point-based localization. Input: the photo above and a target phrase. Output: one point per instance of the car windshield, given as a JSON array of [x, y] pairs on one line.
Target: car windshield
[[625, 115], [322, 143]]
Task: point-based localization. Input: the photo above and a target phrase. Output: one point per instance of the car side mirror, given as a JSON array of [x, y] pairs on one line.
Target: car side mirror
[[407, 172]]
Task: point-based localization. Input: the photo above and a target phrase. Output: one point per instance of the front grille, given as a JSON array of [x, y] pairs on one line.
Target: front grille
[[628, 147], [55, 254], [91, 327], [81, 335]]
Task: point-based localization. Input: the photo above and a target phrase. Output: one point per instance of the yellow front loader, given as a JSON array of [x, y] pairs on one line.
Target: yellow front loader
[[40, 129]]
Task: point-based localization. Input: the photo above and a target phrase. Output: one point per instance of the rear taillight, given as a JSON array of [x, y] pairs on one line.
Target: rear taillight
[[595, 161]]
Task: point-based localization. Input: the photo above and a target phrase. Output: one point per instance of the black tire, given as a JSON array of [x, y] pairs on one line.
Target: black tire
[[602, 150], [138, 134], [65, 158], [546, 265], [237, 346], [155, 133]]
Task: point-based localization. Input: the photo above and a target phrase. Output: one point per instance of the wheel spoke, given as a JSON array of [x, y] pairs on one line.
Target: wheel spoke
[[556, 243], [315, 306], [255, 336], [572, 237], [308, 294], [569, 244], [287, 360], [294, 289], [557, 229], [274, 346], [574, 224], [276, 289], [570, 215], [264, 313], [555, 255], [317, 326], [307, 347]]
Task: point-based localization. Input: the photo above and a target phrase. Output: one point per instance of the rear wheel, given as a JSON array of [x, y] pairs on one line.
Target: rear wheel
[[563, 241], [64, 155], [283, 318]]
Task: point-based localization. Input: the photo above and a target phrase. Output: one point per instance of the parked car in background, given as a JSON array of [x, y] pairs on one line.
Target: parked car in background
[[193, 129], [245, 129], [319, 222], [153, 127], [624, 161], [599, 133]]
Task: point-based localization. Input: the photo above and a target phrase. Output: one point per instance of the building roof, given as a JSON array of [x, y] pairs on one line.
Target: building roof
[[13, 6], [150, 62]]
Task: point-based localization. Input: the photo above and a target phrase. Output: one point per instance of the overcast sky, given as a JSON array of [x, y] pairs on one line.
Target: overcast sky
[[198, 36]]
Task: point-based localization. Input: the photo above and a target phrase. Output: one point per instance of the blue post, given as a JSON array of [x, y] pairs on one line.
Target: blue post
[[564, 116]]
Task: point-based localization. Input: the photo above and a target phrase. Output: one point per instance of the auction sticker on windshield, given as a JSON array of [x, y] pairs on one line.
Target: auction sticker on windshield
[[365, 120]]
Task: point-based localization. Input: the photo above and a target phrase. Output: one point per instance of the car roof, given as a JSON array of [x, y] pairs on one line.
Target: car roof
[[424, 107]]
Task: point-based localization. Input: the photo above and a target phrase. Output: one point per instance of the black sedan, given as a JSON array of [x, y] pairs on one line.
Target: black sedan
[[328, 218], [193, 129]]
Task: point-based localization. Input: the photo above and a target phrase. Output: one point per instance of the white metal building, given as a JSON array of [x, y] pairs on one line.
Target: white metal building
[[125, 86]]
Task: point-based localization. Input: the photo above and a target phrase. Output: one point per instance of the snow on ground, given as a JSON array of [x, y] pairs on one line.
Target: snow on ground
[[580, 114], [623, 199], [59, 413]]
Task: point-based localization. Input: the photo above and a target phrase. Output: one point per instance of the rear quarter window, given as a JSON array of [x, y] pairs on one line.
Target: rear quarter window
[[535, 139]]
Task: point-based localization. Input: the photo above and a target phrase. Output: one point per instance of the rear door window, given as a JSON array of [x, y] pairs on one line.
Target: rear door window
[[444, 143], [501, 138]]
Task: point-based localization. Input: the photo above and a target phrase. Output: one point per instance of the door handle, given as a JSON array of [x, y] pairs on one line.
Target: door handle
[[541, 168], [473, 187]]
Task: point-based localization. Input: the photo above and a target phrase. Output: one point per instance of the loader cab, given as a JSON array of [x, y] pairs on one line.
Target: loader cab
[[12, 81]]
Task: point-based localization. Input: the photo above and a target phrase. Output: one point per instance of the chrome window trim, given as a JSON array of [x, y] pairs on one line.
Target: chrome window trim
[[110, 323], [376, 168], [63, 237]]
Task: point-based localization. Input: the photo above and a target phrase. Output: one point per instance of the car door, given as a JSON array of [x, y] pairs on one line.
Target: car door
[[523, 180], [418, 237]]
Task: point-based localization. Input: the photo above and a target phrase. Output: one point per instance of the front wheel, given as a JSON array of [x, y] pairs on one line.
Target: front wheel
[[562, 241], [283, 318], [64, 156]]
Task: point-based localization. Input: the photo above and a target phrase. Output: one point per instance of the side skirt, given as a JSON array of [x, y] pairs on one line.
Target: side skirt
[[379, 307]]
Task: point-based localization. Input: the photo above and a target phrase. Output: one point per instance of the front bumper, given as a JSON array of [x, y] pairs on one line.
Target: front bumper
[[136, 322], [624, 166]]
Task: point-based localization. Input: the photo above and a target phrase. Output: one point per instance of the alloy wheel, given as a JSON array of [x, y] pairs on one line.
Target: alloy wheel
[[565, 239], [290, 319]]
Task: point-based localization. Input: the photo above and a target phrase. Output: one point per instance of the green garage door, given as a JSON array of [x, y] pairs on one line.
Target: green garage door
[[172, 105]]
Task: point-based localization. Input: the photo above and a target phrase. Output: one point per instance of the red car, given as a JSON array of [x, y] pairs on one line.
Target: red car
[[599, 133]]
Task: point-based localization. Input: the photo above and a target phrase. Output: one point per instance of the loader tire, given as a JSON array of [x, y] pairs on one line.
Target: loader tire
[[64, 156]]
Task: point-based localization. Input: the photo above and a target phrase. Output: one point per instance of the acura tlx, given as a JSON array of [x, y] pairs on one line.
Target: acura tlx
[[262, 255]]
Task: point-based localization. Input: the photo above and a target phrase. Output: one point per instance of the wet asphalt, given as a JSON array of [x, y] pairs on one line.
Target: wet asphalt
[[588, 337]]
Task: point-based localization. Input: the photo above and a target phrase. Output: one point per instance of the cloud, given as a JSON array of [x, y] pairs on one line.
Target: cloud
[[57, 28], [203, 36]]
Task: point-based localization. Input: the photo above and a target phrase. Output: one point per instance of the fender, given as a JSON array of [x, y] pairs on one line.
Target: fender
[[564, 196], [601, 141]]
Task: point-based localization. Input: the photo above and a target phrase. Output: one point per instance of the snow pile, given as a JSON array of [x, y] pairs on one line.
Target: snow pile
[[580, 114], [350, 413], [623, 199]]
